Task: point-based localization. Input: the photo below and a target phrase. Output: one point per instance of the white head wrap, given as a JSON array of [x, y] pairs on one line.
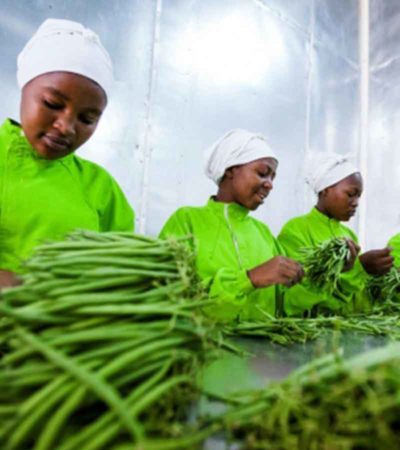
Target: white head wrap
[[63, 45], [235, 148], [323, 169]]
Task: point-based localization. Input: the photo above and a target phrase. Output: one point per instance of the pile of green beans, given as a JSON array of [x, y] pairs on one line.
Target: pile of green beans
[[324, 263], [101, 343], [288, 331], [329, 403], [385, 288]]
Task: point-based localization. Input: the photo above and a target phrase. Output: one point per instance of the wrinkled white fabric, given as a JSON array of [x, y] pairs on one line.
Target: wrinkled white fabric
[[233, 149], [64, 45], [324, 169]]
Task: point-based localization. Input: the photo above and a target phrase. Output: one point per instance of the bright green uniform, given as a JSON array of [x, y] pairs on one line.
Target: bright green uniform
[[228, 243], [308, 231], [43, 200], [395, 252]]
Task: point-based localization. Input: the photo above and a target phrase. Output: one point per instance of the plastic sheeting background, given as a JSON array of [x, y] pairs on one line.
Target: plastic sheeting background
[[189, 70], [383, 163]]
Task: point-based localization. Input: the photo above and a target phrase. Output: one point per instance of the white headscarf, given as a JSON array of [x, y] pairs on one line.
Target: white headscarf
[[324, 169], [235, 148], [63, 45]]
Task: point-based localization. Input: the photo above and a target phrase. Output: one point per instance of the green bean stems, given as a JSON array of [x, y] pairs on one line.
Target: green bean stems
[[287, 331], [384, 288], [324, 263], [101, 344]]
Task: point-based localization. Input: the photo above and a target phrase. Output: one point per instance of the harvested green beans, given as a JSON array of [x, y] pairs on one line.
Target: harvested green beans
[[324, 263], [101, 343], [287, 331], [384, 288]]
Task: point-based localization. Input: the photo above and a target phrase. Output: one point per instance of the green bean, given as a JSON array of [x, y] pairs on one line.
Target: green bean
[[104, 437], [93, 286], [114, 261], [103, 390], [106, 420], [108, 333], [48, 435], [185, 442], [68, 301], [118, 363], [152, 254], [27, 422], [33, 316]]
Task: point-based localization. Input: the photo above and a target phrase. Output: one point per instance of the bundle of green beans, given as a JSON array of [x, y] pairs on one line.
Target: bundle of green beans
[[290, 330], [329, 403], [101, 343], [384, 288], [324, 263]]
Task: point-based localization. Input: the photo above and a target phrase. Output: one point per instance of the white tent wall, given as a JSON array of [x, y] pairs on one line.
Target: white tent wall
[[287, 69], [383, 157], [189, 70]]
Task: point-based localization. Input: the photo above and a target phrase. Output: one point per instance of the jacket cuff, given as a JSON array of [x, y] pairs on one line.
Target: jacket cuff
[[244, 283]]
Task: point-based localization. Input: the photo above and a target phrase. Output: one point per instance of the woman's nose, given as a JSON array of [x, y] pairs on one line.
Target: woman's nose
[[268, 184], [65, 124]]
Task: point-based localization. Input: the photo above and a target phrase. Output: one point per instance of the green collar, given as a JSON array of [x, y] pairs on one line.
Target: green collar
[[13, 128], [322, 218], [21, 146], [235, 210]]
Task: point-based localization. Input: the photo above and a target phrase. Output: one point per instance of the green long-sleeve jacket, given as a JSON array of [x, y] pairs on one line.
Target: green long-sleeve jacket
[[394, 243], [43, 200], [228, 243], [308, 231]]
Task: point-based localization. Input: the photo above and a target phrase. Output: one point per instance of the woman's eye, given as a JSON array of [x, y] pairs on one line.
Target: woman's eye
[[88, 120], [52, 105]]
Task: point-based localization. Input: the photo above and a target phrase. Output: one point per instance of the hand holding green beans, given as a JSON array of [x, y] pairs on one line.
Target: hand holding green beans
[[377, 262], [278, 270]]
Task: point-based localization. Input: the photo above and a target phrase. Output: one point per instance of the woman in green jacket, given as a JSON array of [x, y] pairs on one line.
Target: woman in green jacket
[[45, 190], [338, 185], [237, 256]]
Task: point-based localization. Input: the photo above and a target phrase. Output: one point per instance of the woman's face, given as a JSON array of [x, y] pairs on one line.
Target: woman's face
[[60, 111], [340, 201], [251, 183]]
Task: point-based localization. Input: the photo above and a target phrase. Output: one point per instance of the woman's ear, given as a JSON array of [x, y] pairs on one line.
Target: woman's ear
[[229, 173], [324, 193]]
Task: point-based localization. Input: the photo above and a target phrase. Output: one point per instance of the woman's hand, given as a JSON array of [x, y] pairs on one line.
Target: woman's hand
[[377, 262], [278, 270], [354, 250], [8, 279]]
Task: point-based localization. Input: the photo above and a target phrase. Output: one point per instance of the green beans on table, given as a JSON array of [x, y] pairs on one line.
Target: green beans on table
[[342, 404], [290, 330]]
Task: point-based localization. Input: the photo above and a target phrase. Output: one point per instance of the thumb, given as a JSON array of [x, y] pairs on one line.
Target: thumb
[[385, 251]]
